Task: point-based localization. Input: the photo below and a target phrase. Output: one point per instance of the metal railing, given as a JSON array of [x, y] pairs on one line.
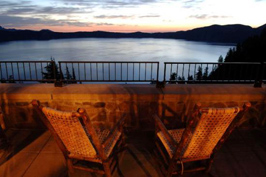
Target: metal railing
[[225, 72], [108, 71], [21, 71]]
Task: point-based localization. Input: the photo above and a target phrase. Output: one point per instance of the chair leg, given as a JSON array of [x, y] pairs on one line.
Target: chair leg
[[170, 169], [70, 166], [107, 169], [209, 164]]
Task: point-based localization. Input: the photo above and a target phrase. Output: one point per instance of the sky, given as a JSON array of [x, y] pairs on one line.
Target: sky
[[129, 15]]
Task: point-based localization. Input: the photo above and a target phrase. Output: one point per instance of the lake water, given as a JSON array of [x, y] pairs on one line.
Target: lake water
[[98, 49]]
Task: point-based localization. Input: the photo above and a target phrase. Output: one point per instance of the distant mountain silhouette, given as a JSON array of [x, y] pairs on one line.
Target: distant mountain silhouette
[[215, 33]]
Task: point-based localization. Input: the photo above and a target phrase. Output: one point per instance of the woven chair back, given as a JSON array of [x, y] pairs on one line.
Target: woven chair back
[[71, 132], [212, 124]]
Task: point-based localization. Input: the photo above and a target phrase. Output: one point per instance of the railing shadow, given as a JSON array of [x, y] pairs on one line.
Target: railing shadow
[[17, 141]]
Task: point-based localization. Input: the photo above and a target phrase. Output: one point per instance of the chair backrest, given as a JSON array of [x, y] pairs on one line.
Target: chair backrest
[[211, 124], [71, 131]]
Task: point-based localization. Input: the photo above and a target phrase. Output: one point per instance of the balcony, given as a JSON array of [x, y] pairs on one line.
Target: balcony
[[35, 153]]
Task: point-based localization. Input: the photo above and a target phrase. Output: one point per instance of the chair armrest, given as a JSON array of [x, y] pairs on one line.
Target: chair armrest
[[117, 127], [159, 124]]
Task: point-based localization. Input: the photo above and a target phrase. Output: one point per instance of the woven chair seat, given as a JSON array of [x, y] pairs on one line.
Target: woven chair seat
[[103, 135], [176, 135]]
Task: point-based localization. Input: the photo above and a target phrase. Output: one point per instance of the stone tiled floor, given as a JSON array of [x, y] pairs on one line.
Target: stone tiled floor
[[34, 153]]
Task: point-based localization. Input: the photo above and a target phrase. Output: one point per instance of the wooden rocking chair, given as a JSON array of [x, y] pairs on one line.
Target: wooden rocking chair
[[206, 131], [83, 146]]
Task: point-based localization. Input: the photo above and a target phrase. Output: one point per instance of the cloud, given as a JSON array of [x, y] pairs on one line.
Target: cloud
[[61, 10], [129, 2], [191, 3], [4, 4], [45, 10], [206, 16], [7, 5], [115, 2], [24, 10], [104, 24], [113, 16], [28, 7], [149, 16], [11, 21], [110, 3]]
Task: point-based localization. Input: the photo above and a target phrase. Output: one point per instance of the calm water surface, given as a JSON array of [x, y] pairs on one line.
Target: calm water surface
[[97, 49]]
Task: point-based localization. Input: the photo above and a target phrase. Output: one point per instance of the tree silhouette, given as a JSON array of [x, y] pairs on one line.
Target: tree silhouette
[[70, 79], [52, 71], [68, 75], [220, 59], [74, 76], [206, 73], [11, 79], [173, 78], [190, 78], [181, 78], [199, 73]]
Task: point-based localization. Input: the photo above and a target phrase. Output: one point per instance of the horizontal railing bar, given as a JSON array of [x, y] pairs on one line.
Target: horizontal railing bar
[[40, 81], [132, 62], [48, 61], [108, 62], [110, 80], [27, 80], [257, 63]]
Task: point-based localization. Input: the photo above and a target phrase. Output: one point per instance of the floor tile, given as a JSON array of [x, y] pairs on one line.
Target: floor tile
[[51, 147], [47, 165]]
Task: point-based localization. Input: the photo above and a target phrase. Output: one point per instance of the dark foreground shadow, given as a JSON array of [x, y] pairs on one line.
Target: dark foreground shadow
[[18, 140]]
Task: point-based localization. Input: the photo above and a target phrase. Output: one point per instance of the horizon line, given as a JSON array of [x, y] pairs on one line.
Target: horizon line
[[129, 31]]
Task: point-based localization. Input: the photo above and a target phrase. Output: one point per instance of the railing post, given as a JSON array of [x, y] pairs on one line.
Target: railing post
[[158, 70], [258, 80], [164, 72], [161, 84]]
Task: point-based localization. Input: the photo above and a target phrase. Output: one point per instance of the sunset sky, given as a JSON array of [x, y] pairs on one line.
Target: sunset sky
[[129, 15]]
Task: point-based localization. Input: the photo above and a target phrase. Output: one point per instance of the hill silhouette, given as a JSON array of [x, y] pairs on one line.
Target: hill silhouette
[[253, 49], [215, 33]]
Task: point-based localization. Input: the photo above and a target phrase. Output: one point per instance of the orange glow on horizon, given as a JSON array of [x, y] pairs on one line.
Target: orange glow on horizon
[[126, 29]]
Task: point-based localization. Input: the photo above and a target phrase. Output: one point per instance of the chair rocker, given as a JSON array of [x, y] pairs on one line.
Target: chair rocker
[[206, 131], [83, 146]]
